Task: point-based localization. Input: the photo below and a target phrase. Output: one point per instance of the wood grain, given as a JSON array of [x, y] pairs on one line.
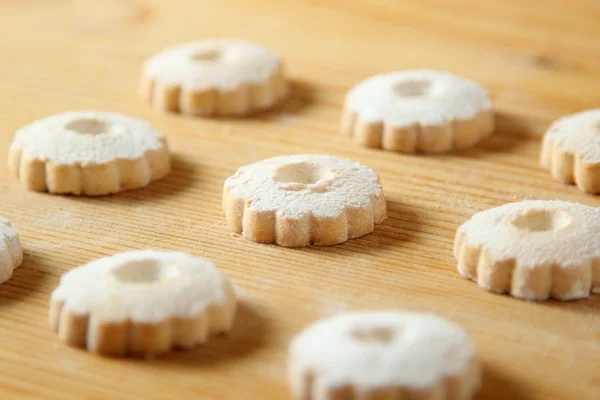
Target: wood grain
[[540, 59]]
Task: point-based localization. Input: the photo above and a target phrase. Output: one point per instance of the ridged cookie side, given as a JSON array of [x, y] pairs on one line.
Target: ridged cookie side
[[243, 100], [89, 179], [569, 168], [538, 282], [11, 255], [270, 226], [119, 338], [456, 135], [306, 385]]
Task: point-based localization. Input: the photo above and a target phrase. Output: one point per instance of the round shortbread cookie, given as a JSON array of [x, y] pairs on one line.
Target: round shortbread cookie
[[418, 111], [142, 303], [533, 249], [571, 150], [301, 199], [11, 254], [383, 355], [214, 77], [88, 153]]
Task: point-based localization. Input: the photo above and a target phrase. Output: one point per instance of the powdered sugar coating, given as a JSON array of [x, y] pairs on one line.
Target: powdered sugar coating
[[578, 134], [345, 183], [88, 153], [379, 350], [302, 199], [577, 241], [229, 63], [428, 98], [50, 139], [11, 254], [189, 287]]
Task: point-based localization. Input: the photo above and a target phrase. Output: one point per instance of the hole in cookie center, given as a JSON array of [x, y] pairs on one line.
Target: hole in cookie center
[[206, 55], [542, 220], [89, 126], [145, 271], [303, 172], [380, 334], [413, 88]]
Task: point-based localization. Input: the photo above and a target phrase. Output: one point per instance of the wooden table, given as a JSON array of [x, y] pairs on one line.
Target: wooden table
[[540, 59]]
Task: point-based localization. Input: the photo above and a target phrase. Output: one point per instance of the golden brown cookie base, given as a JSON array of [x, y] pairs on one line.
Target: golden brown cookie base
[[244, 100], [268, 227], [461, 387], [460, 134], [136, 338], [89, 180], [570, 168], [529, 283]]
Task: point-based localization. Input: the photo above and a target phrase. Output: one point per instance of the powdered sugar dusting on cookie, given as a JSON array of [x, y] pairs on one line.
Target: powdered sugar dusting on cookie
[[137, 294], [329, 185], [302, 199], [417, 97], [377, 351], [87, 137], [578, 134], [88, 153], [11, 254], [213, 63], [537, 232]]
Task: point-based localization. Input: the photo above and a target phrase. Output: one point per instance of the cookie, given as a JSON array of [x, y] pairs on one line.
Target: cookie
[[533, 250], [383, 355], [418, 111], [142, 303], [224, 77], [571, 150], [301, 199], [88, 153], [11, 254]]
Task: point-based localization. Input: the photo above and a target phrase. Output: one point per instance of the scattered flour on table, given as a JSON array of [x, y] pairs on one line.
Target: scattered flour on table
[[328, 308], [48, 246], [288, 119]]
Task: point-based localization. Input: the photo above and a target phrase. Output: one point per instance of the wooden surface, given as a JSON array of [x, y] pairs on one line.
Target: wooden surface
[[540, 59]]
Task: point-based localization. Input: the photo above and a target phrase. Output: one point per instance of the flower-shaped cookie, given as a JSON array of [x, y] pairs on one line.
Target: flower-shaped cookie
[[142, 303], [418, 111], [571, 150], [383, 355], [302, 199], [11, 254], [533, 249], [88, 153], [214, 77]]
